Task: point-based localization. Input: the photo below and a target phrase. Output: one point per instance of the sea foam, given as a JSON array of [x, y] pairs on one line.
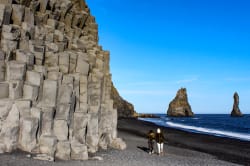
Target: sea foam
[[241, 136]]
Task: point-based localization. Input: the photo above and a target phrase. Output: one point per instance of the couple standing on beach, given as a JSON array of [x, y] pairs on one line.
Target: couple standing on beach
[[159, 138]]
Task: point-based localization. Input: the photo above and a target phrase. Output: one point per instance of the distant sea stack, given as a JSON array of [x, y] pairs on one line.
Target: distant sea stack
[[236, 110], [124, 108], [180, 107]]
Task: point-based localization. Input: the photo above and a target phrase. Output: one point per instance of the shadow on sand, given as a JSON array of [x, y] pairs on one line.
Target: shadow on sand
[[145, 149]]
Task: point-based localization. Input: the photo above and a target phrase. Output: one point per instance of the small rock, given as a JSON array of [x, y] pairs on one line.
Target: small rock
[[28, 155], [99, 158], [44, 157], [119, 144]]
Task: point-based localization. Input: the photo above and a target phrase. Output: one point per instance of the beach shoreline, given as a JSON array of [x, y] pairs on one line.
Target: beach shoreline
[[227, 149], [181, 148]]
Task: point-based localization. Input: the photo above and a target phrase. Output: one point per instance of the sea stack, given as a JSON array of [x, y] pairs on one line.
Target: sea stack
[[55, 81], [179, 107], [236, 110]]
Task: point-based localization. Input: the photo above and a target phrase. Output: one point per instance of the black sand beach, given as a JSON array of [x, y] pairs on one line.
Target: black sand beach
[[181, 148], [232, 150]]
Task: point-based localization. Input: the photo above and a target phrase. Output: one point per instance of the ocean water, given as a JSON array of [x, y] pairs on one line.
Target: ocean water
[[221, 125]]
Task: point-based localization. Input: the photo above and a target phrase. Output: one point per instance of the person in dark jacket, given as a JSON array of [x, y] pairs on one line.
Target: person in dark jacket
[[159, 138], [151, 137]]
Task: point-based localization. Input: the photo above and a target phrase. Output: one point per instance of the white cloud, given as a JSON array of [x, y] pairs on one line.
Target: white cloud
[[147, 83], [238, 79], [145, 92], [189, 80]]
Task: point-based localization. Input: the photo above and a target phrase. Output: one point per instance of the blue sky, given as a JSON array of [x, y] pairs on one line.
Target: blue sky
[[160, 46]]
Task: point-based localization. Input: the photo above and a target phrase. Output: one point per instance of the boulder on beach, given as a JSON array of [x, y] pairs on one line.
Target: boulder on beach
[[179, 106], [236, 110]]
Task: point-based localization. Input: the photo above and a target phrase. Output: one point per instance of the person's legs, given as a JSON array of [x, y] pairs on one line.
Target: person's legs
[[159, 148], [150, 146]]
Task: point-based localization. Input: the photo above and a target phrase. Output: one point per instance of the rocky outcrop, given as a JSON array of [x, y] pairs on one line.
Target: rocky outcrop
[[179, 106], [236, 110], [124, 108], [55, 81]]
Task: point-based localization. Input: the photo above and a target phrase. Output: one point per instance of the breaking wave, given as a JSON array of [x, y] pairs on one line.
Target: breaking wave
[[209, 131]]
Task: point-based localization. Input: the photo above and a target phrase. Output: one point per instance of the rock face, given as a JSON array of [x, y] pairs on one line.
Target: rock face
[[180, 106], [55, 81], [236, 110], [124, 108]]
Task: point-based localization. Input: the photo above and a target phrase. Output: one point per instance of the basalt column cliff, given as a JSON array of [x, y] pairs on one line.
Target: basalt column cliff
[[55, 81]]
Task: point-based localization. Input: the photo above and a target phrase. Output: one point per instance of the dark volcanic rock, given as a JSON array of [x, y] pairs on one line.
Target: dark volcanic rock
[[141, 115], [180, 106], [236, 110], [124, 108]]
